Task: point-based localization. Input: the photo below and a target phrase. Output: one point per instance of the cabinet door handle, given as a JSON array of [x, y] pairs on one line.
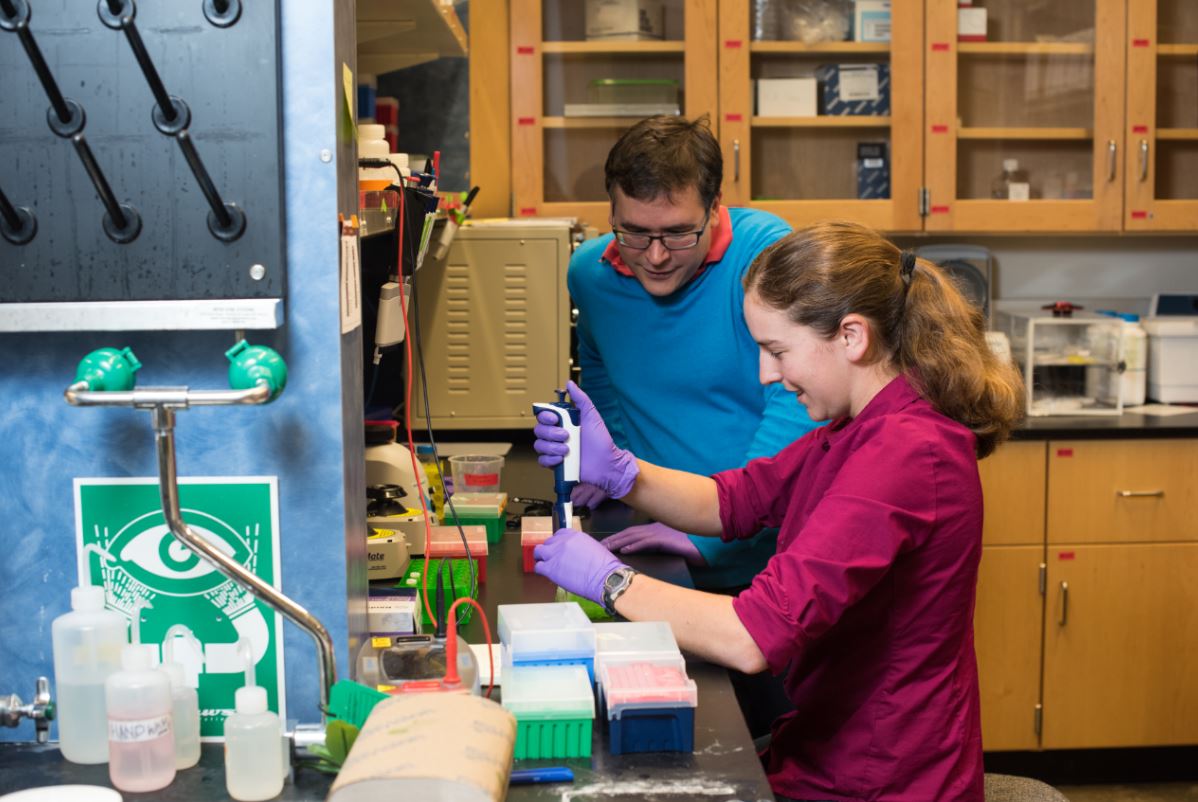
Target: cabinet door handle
[[1064, 603], [1140, 493], [1112, 150], [736, 161], [1143, 159]]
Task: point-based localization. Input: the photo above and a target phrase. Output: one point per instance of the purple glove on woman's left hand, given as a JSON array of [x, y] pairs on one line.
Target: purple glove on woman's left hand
[[659, 538], [577, 562]]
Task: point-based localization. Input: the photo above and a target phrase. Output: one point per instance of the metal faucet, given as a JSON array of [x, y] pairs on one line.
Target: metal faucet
[[41, 710], [259, 381]]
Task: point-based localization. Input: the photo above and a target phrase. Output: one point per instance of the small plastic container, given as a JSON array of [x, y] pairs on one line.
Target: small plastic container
[[535, 530], [547, 634], [446, 541], [554, 708], [141, 737], [484, 509], [476, 473], [632, 90], [87, 650], [650, 706], [254, 766]]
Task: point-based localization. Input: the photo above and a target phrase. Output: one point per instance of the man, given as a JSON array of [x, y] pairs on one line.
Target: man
[[664, 349]]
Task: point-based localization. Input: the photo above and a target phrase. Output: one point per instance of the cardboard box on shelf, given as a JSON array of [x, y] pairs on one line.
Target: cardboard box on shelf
[[873, 171], [871, 21], [625, 20], [971, 24], [786, 97], [854, 89]]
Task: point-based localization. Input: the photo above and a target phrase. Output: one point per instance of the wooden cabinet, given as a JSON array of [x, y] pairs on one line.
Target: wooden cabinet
[[1045, 89], [1161, 129], [804, 168], [557, 159], [1092, 98], [1089, 637], [1121, 646]]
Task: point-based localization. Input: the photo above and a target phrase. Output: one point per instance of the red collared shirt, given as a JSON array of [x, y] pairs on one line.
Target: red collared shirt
[[868, 604], [720, 240]]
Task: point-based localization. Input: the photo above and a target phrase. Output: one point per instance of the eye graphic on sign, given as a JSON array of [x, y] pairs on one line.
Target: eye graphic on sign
[[154, 557]]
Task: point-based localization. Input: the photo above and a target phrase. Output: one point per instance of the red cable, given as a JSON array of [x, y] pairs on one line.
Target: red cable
[[407, 407], [451, 646]]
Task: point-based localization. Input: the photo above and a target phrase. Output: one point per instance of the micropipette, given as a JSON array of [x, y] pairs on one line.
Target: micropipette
[[565, 474]]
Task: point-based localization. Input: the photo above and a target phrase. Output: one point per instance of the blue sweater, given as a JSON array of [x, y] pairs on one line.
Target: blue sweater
[[676, 378]]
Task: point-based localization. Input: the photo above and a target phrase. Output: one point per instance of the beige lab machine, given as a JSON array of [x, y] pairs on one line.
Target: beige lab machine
[[495, 323]]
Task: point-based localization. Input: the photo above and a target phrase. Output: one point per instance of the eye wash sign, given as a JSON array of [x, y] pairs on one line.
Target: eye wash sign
[[124, 544]]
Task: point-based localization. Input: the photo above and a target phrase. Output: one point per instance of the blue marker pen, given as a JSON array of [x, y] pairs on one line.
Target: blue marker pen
[[549, 774]]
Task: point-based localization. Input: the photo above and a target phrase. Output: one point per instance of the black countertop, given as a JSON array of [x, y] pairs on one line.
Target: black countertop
[[1128, 426]]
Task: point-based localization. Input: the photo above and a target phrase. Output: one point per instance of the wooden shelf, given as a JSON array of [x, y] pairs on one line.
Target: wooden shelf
[[1030, 134], [393, 34], [1178, 134], [819, 47], [588, 122], [607, 48], [1026, 48], [1177, 50], [826, 121]]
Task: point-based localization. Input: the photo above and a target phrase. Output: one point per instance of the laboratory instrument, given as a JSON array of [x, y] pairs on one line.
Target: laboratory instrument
[[565, 473]]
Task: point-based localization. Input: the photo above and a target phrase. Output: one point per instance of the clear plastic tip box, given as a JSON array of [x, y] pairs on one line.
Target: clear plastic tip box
[[554, 708], [1067, 362], [650, 706], [547, 634]]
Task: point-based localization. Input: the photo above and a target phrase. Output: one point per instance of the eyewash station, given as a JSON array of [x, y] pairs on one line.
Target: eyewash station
[[227, 575]]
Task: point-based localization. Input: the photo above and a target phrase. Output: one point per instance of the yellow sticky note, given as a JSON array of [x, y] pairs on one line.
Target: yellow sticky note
[[380, 643]]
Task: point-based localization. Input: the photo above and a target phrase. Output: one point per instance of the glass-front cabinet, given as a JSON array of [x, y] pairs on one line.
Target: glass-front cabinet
[[1024, 116], [1162, 116], [582, 73], [820, 110]]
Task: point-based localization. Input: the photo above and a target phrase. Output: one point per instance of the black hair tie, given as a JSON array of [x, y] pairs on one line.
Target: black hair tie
[[906, 266]]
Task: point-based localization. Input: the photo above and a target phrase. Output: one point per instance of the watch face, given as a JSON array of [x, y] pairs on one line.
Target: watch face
[[614, 579]]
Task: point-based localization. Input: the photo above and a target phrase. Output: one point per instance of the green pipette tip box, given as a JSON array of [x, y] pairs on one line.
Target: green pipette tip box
[[453, 590]]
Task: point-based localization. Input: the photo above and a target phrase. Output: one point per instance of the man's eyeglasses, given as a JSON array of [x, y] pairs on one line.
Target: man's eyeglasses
[[671, 242]]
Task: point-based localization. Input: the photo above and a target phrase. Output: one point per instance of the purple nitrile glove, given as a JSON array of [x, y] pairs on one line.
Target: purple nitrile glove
[[656, 537], [585, 495], [577, 562], [613, 470]]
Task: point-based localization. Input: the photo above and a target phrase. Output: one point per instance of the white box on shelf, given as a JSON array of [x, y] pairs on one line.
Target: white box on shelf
[[871, 21], [786, 97], [625, 20], [971, 24]]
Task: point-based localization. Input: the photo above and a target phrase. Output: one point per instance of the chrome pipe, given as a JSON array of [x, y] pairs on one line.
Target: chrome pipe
[[168, 485], [77, 395]]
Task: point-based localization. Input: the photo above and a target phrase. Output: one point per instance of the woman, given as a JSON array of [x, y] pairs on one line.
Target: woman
[[867, 607]]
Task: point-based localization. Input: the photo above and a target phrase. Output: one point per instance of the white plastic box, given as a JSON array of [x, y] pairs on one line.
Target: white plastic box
[[633, 641], [625, 20], [786, 97], [1172, 359]]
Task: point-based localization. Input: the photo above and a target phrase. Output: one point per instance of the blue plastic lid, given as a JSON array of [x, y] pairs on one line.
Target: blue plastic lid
[[1130, 317], [424, 448]]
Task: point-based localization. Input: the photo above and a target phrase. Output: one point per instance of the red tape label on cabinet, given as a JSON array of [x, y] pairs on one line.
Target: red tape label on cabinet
[[526, 121], [733, 118], [1064, 452], [940, 47], [528, 211], [733, 44], [525, 50], [1138, 214], [939, 209], [1140, 42], [940, 128], [1066, 555]]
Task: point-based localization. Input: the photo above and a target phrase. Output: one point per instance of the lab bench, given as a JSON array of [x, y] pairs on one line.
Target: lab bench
[[722, 766]]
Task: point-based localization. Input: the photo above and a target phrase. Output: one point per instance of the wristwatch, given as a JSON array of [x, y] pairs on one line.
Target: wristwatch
[[614, 586]]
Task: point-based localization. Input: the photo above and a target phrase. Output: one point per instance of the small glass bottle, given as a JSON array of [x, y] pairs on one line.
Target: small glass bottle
[[1012, 183]]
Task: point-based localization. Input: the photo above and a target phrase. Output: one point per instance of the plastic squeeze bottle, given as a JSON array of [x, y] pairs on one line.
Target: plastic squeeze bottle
[[253, 754], [185, 702], [141, 738], [87, 650]]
